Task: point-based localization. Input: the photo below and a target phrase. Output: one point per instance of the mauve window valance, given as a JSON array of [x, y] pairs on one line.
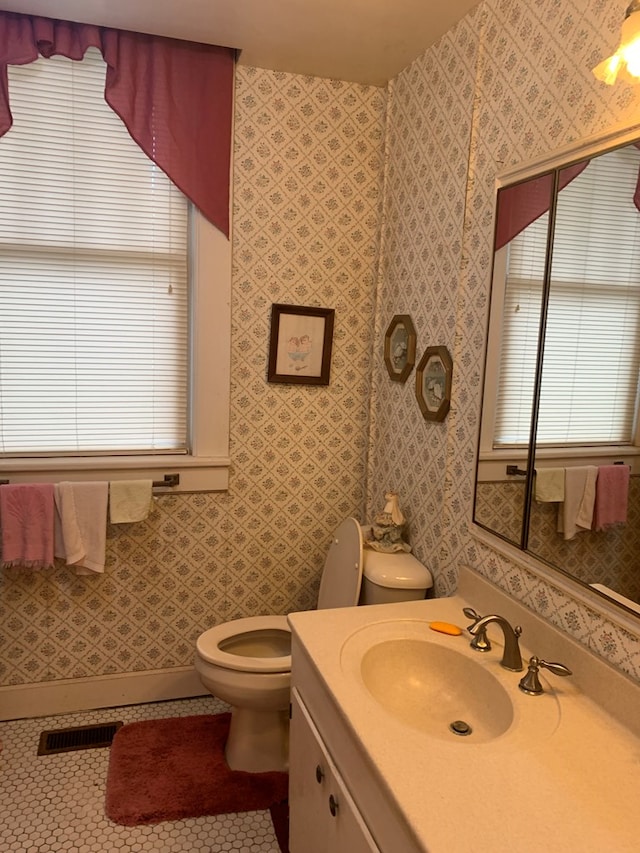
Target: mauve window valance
[[521, 204], [175, 97]]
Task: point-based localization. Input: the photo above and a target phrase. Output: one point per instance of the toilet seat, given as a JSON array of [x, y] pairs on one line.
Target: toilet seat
[[262, 644], [272, 632]]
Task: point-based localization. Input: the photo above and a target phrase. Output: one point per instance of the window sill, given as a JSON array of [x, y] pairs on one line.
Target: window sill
[[197, 473], [492, 463]]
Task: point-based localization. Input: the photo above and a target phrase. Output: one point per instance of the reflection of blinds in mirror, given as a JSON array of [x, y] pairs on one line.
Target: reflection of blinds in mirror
[[592, 348], [520, 325]]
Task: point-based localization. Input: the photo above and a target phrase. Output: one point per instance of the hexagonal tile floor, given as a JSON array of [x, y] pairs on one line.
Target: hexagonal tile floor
[[54, 803]]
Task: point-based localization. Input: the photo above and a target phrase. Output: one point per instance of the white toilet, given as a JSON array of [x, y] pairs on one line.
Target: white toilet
[[247, 662]]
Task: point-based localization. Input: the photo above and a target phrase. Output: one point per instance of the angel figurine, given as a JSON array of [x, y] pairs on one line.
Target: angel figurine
[[387, 527]]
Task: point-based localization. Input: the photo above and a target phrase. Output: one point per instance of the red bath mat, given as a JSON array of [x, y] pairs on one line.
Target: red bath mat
[[175, 768]]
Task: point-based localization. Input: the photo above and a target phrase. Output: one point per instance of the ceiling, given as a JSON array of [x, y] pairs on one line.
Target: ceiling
[[362, 41]]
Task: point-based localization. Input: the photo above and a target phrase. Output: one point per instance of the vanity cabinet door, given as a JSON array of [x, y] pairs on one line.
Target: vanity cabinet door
[[323, 817]]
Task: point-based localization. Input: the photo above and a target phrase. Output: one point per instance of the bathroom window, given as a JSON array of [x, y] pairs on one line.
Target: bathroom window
[[114, 294]]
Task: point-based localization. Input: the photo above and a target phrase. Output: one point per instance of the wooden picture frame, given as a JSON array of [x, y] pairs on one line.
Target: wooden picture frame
[[400, 347], [433, 383], [300, 344]]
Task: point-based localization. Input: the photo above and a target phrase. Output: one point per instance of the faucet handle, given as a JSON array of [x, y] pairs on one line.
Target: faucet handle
[[530, 682], [470, 613], [480, 641], [556, 668]]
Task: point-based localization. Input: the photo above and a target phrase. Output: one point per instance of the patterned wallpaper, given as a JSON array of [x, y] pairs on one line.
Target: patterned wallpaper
[[307, 204], [510, 81], [513, 81], [429, 124]]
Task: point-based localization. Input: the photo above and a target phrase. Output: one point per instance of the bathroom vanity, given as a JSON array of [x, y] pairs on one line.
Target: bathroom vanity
[[375, 765], [326, 816]]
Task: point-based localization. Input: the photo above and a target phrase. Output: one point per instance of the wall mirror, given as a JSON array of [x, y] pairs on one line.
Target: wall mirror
[[558, 473]]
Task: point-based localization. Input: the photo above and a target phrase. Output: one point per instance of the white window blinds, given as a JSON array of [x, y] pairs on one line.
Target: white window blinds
[[592, 346], [93, 276]]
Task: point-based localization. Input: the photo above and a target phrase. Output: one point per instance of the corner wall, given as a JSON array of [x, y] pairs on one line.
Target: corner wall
[[511, 81]]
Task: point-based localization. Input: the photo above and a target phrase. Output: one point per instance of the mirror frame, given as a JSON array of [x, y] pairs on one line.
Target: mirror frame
[[517, 553]]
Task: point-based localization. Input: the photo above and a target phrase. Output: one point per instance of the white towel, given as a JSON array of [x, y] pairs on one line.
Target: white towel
[[584, 519], [550, 484], [579, 494], [129, 500], [81, 526]]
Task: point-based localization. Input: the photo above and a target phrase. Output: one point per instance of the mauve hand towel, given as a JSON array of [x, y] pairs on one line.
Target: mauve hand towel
[[612, 492], [26, 515]]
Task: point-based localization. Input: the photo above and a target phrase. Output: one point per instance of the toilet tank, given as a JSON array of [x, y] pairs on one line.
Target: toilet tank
[[389, 578]]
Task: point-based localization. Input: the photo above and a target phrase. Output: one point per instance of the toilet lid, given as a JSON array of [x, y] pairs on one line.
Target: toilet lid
[[254, 644], [342, 575]]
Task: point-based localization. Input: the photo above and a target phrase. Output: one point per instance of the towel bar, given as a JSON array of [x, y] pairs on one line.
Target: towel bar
[[513, 470], [169, 481]]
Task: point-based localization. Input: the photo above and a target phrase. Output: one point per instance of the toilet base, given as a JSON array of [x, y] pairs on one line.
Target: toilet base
[[258, 740]]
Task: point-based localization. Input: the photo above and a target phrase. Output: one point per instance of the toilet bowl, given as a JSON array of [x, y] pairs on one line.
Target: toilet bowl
[[247, 662]]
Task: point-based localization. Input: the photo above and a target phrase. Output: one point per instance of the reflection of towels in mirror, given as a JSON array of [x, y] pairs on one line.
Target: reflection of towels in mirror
[[550, 484], [612, 492], [575, 515]]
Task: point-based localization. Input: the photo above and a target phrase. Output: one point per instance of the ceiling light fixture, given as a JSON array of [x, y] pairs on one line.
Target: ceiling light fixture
[[625, 62]]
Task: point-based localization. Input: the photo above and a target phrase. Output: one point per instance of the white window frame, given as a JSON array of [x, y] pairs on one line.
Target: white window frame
[[206, 466], [491, 461]]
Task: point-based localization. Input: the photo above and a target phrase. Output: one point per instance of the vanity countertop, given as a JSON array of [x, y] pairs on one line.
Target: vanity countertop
[[574, 787]]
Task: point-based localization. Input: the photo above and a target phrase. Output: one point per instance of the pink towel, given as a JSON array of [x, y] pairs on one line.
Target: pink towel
[[612, 490], [26, 513]]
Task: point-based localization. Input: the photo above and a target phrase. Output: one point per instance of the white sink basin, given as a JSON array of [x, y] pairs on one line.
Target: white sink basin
[[437, 685], [437, 690]]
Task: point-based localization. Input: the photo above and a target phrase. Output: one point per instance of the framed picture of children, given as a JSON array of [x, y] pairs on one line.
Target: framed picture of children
[[300, 344]]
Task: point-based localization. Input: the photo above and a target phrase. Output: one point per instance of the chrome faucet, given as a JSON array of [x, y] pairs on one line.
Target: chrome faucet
[[511, 658]]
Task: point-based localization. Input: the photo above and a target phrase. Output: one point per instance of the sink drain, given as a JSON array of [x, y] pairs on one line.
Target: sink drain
[[459, 727]]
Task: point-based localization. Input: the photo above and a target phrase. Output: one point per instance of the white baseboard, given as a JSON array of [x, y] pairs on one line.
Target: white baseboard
[[105, 691]]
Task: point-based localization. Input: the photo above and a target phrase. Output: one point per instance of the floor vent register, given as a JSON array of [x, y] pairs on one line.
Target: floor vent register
[[77, 737]]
